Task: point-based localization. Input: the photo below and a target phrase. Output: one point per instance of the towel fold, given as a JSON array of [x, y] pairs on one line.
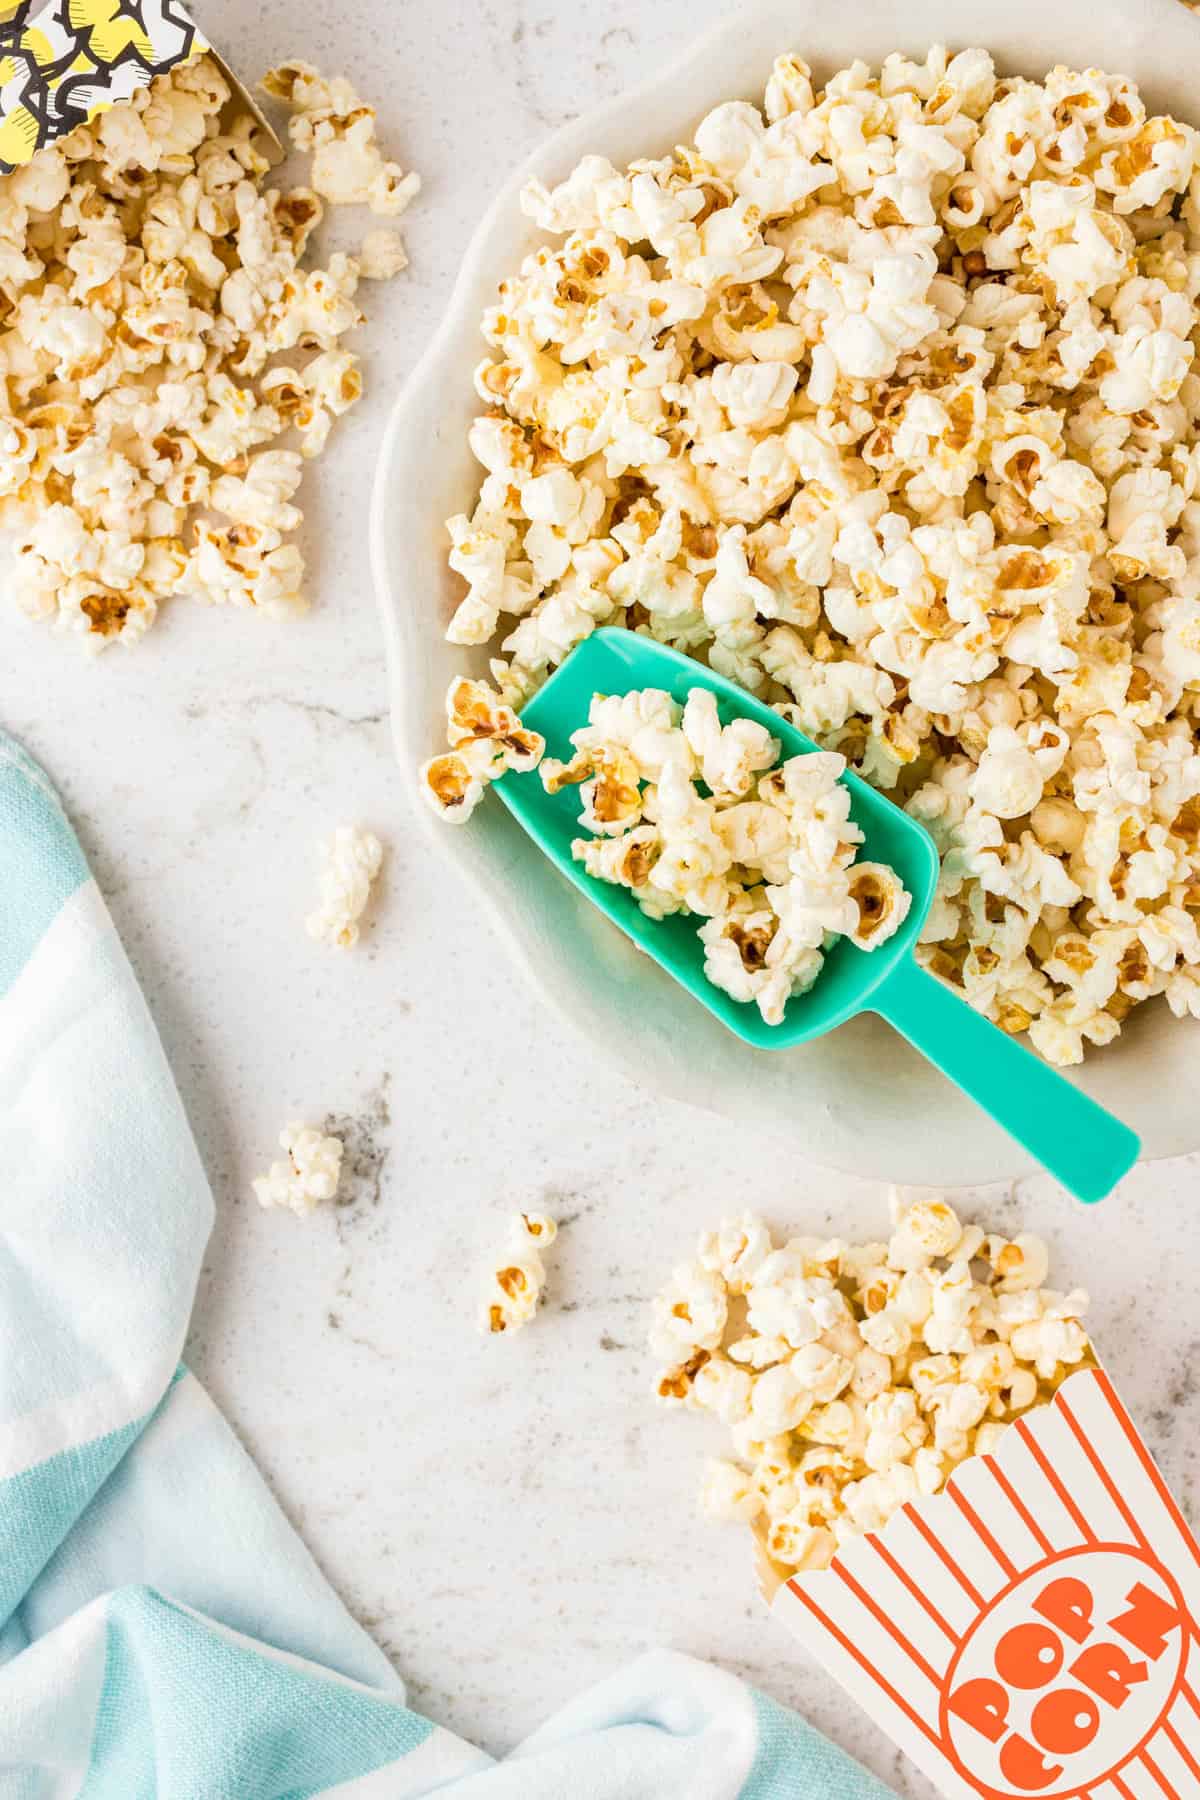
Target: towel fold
[[164, 1635]]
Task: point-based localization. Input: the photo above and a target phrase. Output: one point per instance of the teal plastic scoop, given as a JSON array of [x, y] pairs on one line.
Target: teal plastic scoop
[[1077, 1141]]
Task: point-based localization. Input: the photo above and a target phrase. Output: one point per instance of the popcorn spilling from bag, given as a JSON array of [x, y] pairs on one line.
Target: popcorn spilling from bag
[[693, 816], [515, 1286], [882, 400], [351, 861], [162, 335], [855, 1378], [308, 1176]]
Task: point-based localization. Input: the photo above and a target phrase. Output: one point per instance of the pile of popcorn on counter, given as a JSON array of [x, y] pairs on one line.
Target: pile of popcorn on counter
[[881, 399], [855, 1378], [161, 332], [694, 816]]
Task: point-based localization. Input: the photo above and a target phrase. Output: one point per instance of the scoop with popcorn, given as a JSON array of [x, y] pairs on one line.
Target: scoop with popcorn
[[855, 1378], [693, 816], [678, 778]]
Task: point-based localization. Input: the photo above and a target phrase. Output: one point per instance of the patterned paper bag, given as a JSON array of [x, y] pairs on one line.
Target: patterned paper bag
[[65, 61], [1033, 1629]]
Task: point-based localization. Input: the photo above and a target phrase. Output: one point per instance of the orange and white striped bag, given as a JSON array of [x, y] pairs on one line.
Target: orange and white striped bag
[[1032, 1630]]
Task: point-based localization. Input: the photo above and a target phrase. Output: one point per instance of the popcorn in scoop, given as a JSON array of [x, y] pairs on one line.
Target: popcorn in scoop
[[698, 817]]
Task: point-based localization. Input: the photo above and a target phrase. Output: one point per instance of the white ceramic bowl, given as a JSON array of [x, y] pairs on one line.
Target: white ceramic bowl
[[859, 1100]]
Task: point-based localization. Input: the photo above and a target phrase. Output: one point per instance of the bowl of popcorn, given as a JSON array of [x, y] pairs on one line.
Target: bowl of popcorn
[[863, 374]]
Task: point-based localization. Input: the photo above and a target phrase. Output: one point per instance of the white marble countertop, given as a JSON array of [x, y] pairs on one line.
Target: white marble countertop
[[511, 1519]]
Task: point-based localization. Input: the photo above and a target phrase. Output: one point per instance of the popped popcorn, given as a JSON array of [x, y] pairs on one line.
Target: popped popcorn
[[865, 1374], [882, 400], [381, 255], [515, 1286], [308, 1177], [148, 282], [331, 122], [351, 861], [486, 739], [765, 854]]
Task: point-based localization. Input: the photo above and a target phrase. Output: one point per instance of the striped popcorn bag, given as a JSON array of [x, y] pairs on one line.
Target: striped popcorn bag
[[1032, 1629]]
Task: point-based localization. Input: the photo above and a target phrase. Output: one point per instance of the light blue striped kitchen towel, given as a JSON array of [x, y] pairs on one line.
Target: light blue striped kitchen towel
[[163, 1633]]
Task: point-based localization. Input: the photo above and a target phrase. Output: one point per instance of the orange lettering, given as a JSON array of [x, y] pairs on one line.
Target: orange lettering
[[1029, 1656], [1148, 1622], [1067, 1603], [1110, 1672], [1065, 1721], [1026, 1768], [984, 1704]]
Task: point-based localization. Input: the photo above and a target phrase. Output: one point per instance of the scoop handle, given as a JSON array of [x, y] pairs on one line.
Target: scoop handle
[[1082, 1146]]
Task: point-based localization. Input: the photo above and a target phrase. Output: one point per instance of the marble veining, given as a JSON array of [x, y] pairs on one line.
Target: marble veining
[[510, 1519]]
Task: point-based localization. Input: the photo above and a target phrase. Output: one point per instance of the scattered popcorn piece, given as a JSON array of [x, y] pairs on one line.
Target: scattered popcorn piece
[[309, 1176], [695, 816], [882, 401], [516, 1284], [382, 255], [868, 1372], [352, 860], [338, 129], [148, 282]]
